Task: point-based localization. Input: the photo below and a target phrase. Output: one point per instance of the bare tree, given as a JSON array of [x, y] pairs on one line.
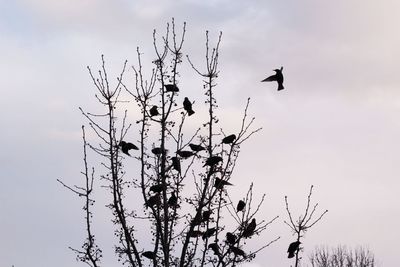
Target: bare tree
[[342, 256], [300, 226], [184, 174]]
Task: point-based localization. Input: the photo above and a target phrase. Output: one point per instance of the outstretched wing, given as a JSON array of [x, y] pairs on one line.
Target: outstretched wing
[[270, 78]]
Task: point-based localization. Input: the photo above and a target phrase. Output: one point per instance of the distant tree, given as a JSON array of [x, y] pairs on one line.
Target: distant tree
[[182, 178], [300, 226], [342, 256]]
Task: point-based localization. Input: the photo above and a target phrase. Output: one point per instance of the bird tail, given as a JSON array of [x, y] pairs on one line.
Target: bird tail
[[280, 87], [291, 255], [190, 112]]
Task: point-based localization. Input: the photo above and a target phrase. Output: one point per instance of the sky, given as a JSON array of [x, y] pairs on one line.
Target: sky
[[335, 126]]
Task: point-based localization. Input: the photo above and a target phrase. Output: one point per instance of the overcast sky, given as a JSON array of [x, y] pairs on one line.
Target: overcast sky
[[336, 125]]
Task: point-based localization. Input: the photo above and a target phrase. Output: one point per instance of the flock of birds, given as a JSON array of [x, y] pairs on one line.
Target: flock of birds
[[219, 184]]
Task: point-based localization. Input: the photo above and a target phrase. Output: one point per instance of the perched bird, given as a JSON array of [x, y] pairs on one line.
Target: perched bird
[[215, 248], [214, 170], [158, 150], [154, 111], [293, 247], [171, 88], [149, 254], [206, 215], [187, 105], [196, 148], [196, 233], [157, 188], [230, 238], [210, 232], [229, 139], [173, 200], [219, 183], [126, 146], [237, 251], [240, 206], [185, 153], [176, 164], [249, 229], [213, 160], [278, 77], [153, 200], [197, 219]]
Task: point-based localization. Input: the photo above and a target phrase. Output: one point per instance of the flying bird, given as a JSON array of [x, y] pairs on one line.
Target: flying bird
[[126, 146], [196, 148], [184, 153], [229, 139], [187, 105], [213, 160], [219, 183], [249, 229], [240, 206], [278, 77], [171, 88], [293, 247], [154, 111], [149, 254], [230, 238]]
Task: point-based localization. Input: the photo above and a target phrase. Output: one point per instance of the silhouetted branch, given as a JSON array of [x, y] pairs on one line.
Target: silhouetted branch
[[301, 226], [185, 220]]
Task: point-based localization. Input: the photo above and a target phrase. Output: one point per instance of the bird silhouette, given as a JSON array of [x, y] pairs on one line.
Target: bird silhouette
[[206, 215], [154, 111], [187, 105], [184, 153], [293, 247], [237, 251], [176, 164], [197, 219], [249, 229], [278, 77], [196, 233], [213, 160], [157, 188], [215, 248], [126, 146], [173, 200], [230, 238], [209, 233], [219, 183], [149, 254], [158, 150], [171, 88], [229, 139], [240, 206], [153, 200], [196, 148]]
